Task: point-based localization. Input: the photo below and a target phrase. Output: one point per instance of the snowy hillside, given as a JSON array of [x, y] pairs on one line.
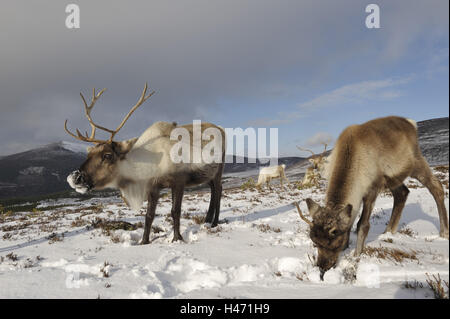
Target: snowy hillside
[[74, 147], [433, 140], [40, 171], [261, 249]]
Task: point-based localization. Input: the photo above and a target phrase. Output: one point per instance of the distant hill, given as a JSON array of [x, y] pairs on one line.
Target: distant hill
[[433, 140], [44, 170], [39, 171], [233, 166]]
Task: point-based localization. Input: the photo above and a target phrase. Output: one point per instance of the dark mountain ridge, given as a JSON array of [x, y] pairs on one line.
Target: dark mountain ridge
[[44, 170]]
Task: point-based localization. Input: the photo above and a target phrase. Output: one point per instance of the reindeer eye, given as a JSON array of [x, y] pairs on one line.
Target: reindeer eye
[[107, 156]]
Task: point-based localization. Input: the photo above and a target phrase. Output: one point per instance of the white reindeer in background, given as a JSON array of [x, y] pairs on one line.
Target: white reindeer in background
[[266, 174]]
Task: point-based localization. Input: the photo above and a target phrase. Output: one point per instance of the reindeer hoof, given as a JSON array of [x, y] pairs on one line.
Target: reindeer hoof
[[177, 237], [207, 220], [443, 235], [144, 242]]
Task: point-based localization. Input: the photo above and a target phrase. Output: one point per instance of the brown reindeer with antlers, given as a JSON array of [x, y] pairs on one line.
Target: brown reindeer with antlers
[[367, 158], [317, 161], [141, 167]]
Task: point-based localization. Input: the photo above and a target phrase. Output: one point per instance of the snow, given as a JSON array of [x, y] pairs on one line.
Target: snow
[[261, 249], [32, 170], [74, 147]]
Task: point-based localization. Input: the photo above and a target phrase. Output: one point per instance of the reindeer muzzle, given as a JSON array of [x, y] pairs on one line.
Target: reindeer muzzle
[[78, 182]]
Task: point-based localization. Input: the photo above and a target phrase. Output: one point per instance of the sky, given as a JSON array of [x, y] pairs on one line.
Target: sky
[[309, 68]]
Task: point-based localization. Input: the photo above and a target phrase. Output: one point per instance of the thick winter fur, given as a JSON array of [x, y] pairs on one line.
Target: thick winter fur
[[266, 174], [140, 168], [366, 158]]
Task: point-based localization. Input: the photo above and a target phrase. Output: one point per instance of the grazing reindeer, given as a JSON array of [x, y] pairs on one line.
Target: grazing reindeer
[[266, 174], [380, 153], [317, 167], [141, 167]]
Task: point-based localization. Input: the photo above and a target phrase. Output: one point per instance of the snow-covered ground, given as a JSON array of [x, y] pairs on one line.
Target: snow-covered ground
[[74, 147], [261, 249]]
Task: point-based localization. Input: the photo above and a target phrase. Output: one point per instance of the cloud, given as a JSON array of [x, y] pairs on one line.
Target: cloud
[[196, 55], [438, 62], [319, 138], [357, 93], [284, 118]]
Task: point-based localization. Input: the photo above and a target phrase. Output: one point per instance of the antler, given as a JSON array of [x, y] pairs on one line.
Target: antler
[[305, 150], [313, 154], [94, 126], [325, 149], [141, 100], [302, 216]]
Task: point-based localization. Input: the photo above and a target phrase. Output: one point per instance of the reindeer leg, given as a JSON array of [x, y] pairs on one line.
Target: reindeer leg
[[151, 208], [218, 196], [210, 214], [364, 222], [400, 194], [425, 176], [283, 175], [176, 211]]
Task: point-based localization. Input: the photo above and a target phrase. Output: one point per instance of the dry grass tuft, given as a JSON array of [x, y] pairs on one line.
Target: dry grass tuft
[[393, 254], [249, 184], [302, 277], [157, 229], [198, 219], [408, 232], [436, 284], [11, 256], [7, 236], [17, 226], [54, 237], [412, 284], [105, 269], [78, 222], [214, 231], [441, 169], [267, 228], [109, 225]]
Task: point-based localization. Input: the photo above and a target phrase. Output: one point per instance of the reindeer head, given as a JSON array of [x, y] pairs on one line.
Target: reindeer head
[[329, 231], [315, 160], [100, 169]]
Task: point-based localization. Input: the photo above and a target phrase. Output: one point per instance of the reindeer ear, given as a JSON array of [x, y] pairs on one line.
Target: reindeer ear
[[346, 215], [125, 146], [313, 207], [348, 210], [89, 148]]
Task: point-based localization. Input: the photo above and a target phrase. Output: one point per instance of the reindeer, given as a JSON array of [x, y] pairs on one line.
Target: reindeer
[[266, 174], [141, 167], [368, 157], [318, 164]]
